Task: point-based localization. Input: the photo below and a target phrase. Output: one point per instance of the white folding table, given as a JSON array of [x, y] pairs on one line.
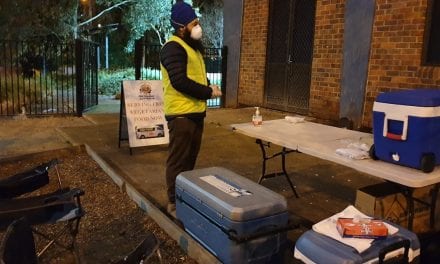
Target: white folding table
[[321, 141]]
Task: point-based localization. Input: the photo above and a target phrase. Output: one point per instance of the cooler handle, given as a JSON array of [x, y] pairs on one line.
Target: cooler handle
[[390, 135], [232, 234], [400, 244]]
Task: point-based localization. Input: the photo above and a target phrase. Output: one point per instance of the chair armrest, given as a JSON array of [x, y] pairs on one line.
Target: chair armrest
[[77, 192], [72, 194], [47, 208], [22, 183], [47, 165]]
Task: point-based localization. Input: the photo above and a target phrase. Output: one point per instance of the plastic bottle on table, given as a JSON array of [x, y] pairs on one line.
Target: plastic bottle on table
[[257, 118]]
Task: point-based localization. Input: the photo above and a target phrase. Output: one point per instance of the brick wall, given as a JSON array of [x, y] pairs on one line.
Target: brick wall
[[327, 60], [395, 56], [396, 53], [253, 52]]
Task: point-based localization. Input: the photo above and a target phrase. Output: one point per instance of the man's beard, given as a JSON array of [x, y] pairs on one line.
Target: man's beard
[[195, 44]]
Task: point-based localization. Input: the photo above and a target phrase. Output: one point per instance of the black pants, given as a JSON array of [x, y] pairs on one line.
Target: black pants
[[184, 146]]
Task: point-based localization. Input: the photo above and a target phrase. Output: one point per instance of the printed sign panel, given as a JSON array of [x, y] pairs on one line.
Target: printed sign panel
[[143, 102]]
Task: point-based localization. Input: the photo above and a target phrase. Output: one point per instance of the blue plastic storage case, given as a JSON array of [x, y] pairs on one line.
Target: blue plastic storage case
[[406, 128], [221, 209], [313, 247]]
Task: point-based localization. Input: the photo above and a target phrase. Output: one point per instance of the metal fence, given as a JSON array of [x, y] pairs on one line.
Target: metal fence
[[86, 75], [47, 78], [147, 67]]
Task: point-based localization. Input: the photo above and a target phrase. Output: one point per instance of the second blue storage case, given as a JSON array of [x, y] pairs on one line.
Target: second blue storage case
[[406, 128], [226, 213], [313, 247]]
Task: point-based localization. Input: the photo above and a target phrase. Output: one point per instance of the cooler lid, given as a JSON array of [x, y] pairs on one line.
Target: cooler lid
[[417, 97], [233, 196]]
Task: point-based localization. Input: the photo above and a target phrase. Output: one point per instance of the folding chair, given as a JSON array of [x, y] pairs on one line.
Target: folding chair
[[143, 251], [27, 181], [18, 246], [62, 205]]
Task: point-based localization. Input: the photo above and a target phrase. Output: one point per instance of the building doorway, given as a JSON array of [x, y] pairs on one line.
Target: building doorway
[[289, 55]]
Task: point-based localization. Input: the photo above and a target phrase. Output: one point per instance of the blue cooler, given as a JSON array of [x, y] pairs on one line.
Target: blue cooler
[[313, 247], [236, 219], [406, 128]]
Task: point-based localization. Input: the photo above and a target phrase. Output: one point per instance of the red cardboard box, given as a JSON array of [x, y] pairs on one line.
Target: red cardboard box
[[361, 228]]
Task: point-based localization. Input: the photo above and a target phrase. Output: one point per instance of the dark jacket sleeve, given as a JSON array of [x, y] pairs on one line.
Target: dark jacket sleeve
[[174, 58]]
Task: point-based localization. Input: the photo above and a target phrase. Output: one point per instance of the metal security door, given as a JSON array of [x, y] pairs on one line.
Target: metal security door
[[290, 52]]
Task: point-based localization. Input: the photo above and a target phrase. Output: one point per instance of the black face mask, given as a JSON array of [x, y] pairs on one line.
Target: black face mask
[[195, 44]]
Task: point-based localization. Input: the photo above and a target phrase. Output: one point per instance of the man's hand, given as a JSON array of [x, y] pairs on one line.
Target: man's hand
[[215, 91]]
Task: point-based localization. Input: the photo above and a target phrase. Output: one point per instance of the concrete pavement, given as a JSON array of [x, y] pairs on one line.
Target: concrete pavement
[[324, 187]]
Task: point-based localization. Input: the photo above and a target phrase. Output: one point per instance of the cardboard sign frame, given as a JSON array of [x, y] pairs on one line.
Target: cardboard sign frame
[[141, 119]]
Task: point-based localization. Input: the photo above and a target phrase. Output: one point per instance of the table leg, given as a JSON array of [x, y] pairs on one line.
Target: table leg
[[408, 193], [283, 164], [283, 154], [410, 200], [434, 194]]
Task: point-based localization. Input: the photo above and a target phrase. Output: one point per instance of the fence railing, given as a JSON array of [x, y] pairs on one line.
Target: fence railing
[[47, 78], [147, 66], [86, 75]]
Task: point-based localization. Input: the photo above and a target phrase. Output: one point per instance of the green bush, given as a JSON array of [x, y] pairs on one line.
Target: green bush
[[17, 92], [110, 80]]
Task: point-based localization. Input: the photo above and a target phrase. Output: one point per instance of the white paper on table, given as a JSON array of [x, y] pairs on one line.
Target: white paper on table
[[294, 119], [352, 153]]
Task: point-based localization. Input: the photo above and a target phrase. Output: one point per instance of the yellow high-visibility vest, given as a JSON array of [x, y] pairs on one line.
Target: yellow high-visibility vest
[[175, 102]]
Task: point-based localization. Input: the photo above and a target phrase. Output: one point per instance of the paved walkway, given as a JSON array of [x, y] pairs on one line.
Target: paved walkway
[[324, 187]]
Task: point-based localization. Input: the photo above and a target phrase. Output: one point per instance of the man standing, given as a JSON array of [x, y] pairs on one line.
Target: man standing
[[186, 89]]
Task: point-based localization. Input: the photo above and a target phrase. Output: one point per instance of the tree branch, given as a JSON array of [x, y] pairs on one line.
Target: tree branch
[[157, 33], [103, 12]]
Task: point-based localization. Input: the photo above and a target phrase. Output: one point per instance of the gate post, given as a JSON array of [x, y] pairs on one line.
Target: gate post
[[138, 56], [79, 71], [224, 71]]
